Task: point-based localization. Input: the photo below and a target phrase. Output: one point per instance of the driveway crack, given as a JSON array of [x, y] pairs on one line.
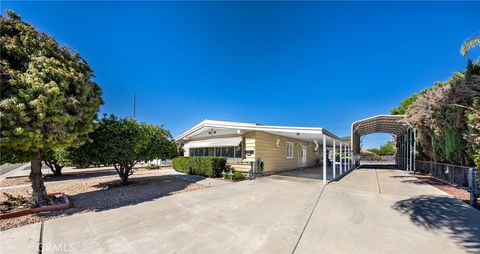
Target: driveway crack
[[378, 182], [40, 240], [309, 217]]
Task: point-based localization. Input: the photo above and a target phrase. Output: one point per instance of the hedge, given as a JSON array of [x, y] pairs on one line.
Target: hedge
[[180, 164], [204, 166]]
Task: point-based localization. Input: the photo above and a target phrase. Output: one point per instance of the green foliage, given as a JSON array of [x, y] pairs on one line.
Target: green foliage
[[473, 124], [152, 167], [404, 106], [81, 157], [447, 117], [181, 164], [469, 44], [204, 166], [385, 149], [123, 142], [56, 159], [48, 99], [238, 176]]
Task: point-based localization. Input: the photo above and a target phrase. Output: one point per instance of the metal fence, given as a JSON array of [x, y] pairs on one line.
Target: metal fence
[[453, 174]]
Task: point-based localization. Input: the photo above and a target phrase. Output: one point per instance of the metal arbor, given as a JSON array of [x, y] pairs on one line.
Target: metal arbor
[[396, 125]]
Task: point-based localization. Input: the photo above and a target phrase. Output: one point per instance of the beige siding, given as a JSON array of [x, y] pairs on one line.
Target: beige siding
[[265, 148], [186, 151], [275, 158]]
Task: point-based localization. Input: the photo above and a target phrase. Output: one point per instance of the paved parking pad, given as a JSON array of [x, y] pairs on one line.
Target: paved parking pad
[[367, 211], [388, 211]]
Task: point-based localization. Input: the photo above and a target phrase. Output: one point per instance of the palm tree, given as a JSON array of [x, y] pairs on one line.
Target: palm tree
[[469, 44]]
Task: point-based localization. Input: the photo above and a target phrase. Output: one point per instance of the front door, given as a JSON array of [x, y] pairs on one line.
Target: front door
[[302, 156]]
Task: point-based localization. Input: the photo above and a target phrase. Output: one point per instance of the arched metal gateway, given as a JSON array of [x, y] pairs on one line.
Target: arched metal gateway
[[396, 125]]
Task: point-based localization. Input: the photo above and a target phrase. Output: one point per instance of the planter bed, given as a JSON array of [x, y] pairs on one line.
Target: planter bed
[[60, 200], [453, 190]]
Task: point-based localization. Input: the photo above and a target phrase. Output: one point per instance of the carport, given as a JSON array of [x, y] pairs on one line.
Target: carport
[[397, 125]]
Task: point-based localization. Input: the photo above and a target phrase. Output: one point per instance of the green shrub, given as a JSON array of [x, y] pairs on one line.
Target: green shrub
[[204, 166], [181, 164], [150, 167], [238, 176]]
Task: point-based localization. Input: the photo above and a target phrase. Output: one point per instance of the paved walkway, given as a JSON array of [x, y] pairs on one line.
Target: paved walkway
[[368, 211]]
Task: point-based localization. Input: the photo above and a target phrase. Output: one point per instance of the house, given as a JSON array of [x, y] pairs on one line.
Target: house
[[280, 148]]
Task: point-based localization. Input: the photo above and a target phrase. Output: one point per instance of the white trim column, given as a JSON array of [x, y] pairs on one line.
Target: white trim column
[[410, 137], [349, 158], [346, 160], [334, 160], [340, 159], [405, 152], [414, 148], [324, 159]]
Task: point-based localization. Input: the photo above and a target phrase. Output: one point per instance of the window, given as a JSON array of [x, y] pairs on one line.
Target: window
[[289, 150], [238, 152], [234, 152], [228, 152]]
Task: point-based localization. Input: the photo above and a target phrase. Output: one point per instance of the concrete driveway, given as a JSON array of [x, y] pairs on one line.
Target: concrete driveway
[[368, 211]]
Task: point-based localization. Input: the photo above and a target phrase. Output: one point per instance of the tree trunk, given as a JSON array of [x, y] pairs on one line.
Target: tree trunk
[[58, 169], [124, 170], [54, 167], [124, 177], [40, 196]]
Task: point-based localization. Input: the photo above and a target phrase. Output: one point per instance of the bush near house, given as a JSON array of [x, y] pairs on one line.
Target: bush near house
[[181, 164], [238, 176], [204, 166]]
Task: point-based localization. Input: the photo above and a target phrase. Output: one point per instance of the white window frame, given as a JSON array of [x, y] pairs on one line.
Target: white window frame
[[291, 154]]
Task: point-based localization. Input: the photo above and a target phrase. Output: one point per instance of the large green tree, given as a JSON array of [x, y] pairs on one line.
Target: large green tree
[[123, 142], [48, 98]]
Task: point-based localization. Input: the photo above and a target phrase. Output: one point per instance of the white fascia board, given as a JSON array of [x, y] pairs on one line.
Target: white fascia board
[[211, 124], [255, 127]]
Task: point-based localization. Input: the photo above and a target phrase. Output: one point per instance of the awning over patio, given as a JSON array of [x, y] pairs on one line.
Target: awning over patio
[[216, 142]]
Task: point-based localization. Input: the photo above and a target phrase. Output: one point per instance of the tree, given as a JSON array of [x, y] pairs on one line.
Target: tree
[[469, 44], [405, 105], [56, 159], [124, 142], [385, 149], [48, 99]]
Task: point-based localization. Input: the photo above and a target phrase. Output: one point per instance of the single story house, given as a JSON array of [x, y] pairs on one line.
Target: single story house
[[280, 148]]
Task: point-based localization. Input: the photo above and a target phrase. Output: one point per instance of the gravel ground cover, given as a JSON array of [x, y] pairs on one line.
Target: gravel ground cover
[[91, 193], [455, 191]]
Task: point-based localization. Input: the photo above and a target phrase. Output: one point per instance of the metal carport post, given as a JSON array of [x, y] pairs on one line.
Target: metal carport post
[[324, 159]]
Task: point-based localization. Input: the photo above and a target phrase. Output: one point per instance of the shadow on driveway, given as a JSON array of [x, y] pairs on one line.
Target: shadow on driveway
[[378, 166], [437, 212]]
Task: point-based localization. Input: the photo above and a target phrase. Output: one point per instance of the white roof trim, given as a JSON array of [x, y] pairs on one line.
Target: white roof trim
[[256, 127], [215, 142]]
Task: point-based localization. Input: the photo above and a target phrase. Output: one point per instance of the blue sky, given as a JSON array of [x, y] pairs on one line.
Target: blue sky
[[322, 64]]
